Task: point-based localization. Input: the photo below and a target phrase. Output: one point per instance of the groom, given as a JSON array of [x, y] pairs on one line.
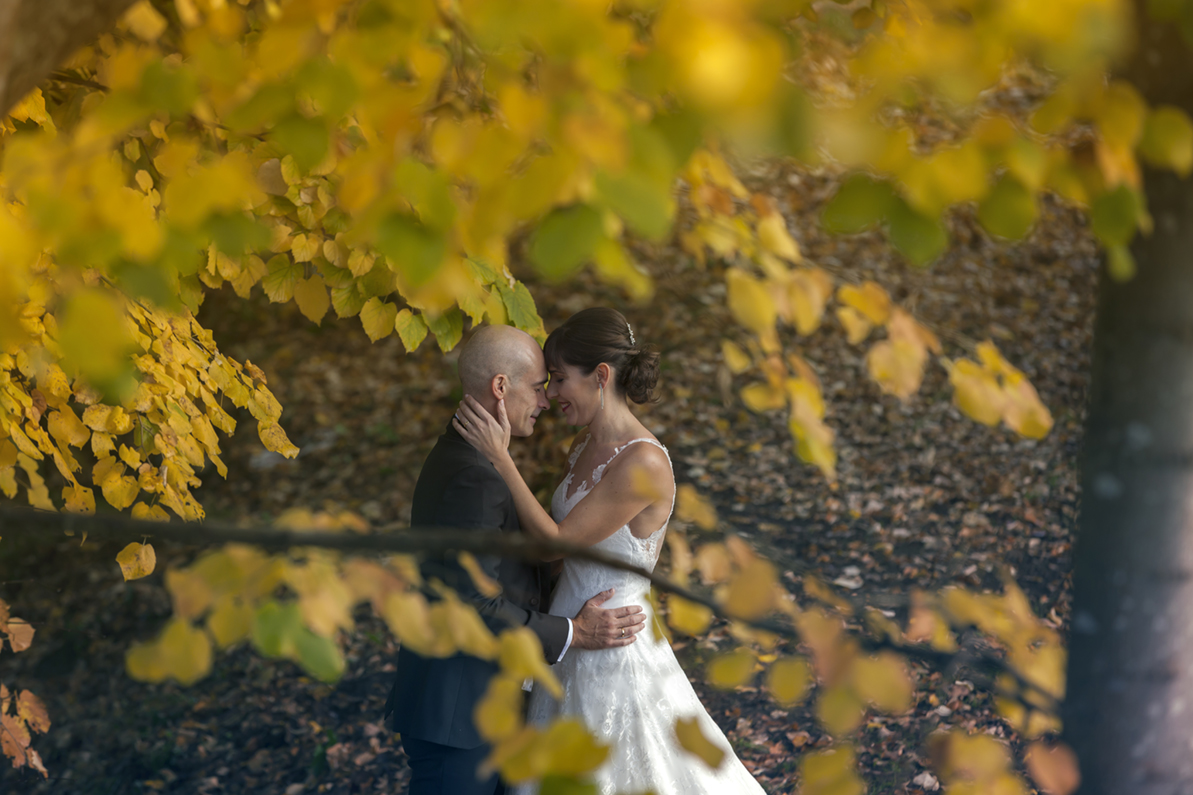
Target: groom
[[432, 700]]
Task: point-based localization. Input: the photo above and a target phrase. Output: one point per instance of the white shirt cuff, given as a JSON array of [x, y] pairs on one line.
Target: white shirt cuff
[[567, 645]]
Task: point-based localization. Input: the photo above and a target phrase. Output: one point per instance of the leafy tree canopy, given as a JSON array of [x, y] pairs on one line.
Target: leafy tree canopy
[[389, 159]]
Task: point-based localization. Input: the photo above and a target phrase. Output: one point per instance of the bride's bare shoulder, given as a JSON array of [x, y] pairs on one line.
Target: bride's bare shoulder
[[650, 458]]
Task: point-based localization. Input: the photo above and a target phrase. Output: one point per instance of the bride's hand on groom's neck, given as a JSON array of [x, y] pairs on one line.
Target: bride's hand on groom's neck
[[597, 628], [488, 434]]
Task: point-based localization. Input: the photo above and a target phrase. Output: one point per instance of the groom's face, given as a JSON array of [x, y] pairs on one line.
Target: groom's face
[[526, 397]]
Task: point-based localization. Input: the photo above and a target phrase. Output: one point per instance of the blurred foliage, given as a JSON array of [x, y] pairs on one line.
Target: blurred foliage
[[387, 159]]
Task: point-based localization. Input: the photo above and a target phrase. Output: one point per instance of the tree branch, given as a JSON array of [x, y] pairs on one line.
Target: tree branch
[[38, 35], [29, 523]]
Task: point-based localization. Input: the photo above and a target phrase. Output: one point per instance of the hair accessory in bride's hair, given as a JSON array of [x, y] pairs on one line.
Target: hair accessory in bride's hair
[[629, 329]]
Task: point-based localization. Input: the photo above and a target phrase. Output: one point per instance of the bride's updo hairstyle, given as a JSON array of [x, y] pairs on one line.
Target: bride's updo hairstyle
[[600, 334]]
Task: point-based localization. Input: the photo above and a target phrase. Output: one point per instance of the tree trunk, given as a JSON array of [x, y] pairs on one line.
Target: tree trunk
[[38, 35], [1129, 711]]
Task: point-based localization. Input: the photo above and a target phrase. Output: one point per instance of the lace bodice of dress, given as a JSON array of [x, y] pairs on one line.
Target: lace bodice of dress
[[582, 579]]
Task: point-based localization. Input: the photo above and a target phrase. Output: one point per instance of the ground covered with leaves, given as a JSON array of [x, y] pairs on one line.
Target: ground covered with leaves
[[926, 498]]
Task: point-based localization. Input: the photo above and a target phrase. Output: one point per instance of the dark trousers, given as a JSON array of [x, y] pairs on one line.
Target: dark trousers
[[442, 770]]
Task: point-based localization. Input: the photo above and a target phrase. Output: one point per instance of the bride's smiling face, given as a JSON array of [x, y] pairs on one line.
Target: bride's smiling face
[[576, 393]]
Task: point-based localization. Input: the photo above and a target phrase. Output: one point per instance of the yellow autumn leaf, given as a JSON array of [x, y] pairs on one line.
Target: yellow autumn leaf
[[750, 302], [693, 740], [521, 656], [153, 513], [897, 366], [230, 621], [144, 20], [976, 392], [751, 592], [378, 318], [108, 419], [643, 483], [839, 709], [807, 294], [690, 506], [408, 616], [731, 670], [884, 681], [120, 491], [774, 237], [189, 592], [411, 328], [498, 714], [312, 298], [870, 300], [762, 397], [1023, 412], [465, 627], [857, 327], [185, 651], [304, 247], [830, 772], [570, 750], [1054, 768], [737, 360], [79, 499], [136, 561], [713, 562], [787, 680], [275, 439], [65, 426], [688, 617], [487, 586]]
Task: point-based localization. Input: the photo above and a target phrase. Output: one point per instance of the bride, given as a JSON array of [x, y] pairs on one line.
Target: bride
[[617, 497]]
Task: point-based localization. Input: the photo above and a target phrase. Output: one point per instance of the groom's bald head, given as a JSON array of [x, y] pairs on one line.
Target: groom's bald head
[[502, 362], [493, 351]]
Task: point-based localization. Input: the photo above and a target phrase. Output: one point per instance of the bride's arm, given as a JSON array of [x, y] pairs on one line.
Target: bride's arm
[[612, 503]]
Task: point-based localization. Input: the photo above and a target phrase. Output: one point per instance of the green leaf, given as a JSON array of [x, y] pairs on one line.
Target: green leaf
[[167, 88], [645, 205], [1009, 209], [1120, 263], [1114, 216], [482, 271], [683, 131], [565, 240], [319, 656], [915, 236], [347, 301], [859, 203], [282, 277], [411, 328], [429, 193], [448, 328], [415, 251], [330, 85], [236, 233], [276, 627], [272, 101], [1168, 140], [183, 251], [566, 785], [305, 139], [519, 304], [380, 281]]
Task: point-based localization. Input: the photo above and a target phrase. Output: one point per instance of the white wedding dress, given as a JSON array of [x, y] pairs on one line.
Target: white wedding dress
[[630, 696]]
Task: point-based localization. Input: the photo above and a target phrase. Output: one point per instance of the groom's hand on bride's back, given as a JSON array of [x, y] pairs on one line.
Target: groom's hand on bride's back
[[594, 627]]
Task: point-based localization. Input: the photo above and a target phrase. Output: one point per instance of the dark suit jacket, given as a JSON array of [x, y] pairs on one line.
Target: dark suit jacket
[[433, 699]]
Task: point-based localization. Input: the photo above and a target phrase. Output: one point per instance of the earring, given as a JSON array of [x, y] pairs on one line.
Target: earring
[[602, 389]]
